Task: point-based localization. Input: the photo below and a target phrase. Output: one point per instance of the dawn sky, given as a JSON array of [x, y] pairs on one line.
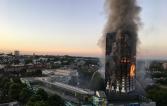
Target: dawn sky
[[74, 27]]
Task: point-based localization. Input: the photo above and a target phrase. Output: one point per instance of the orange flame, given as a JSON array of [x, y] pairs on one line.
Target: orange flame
[[132, 70]]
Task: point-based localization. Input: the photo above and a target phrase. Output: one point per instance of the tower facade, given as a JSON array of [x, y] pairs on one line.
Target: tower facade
[[120, 62]]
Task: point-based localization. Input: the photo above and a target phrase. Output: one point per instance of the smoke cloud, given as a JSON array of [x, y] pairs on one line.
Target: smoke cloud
[[121, 15], [141, 75], [143, 79]]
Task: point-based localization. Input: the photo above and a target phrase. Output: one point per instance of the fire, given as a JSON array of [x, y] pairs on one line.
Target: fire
[[132, 70]]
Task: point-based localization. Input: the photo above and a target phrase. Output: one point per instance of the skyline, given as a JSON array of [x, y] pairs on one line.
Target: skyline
[[44, 27]]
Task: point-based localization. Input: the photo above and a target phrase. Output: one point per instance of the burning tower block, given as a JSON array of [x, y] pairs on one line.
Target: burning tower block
[[120, 62]]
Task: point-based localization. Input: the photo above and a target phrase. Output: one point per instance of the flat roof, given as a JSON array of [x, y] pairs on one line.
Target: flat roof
[[69, 87]]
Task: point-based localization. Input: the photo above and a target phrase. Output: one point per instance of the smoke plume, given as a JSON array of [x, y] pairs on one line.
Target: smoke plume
[[121, 15], [141, 75]]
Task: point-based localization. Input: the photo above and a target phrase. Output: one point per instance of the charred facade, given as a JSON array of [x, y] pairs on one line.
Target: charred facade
[[120, 62]]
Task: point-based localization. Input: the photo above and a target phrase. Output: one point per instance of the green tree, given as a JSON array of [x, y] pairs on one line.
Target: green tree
[[42, 94], [3, 81], [28, 61], [16, 80], [25, 95], [158, 95], [55, 101], [6, 87], [14, 91], [41, 103], [34, 98], [37, 103], [38, 99]]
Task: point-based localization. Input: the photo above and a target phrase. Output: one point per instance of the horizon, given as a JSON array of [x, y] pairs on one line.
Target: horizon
[[73, 27], [148, 58]]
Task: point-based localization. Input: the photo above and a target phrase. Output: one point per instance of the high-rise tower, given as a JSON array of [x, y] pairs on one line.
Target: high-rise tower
[[120, 62]]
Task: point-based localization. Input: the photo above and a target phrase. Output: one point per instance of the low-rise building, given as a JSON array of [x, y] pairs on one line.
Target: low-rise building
[[164, 65]]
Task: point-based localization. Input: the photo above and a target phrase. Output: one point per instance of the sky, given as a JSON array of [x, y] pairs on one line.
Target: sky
[[73, 27]]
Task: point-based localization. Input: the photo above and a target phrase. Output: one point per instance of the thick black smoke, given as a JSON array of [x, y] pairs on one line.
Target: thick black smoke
[[122, 15]]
